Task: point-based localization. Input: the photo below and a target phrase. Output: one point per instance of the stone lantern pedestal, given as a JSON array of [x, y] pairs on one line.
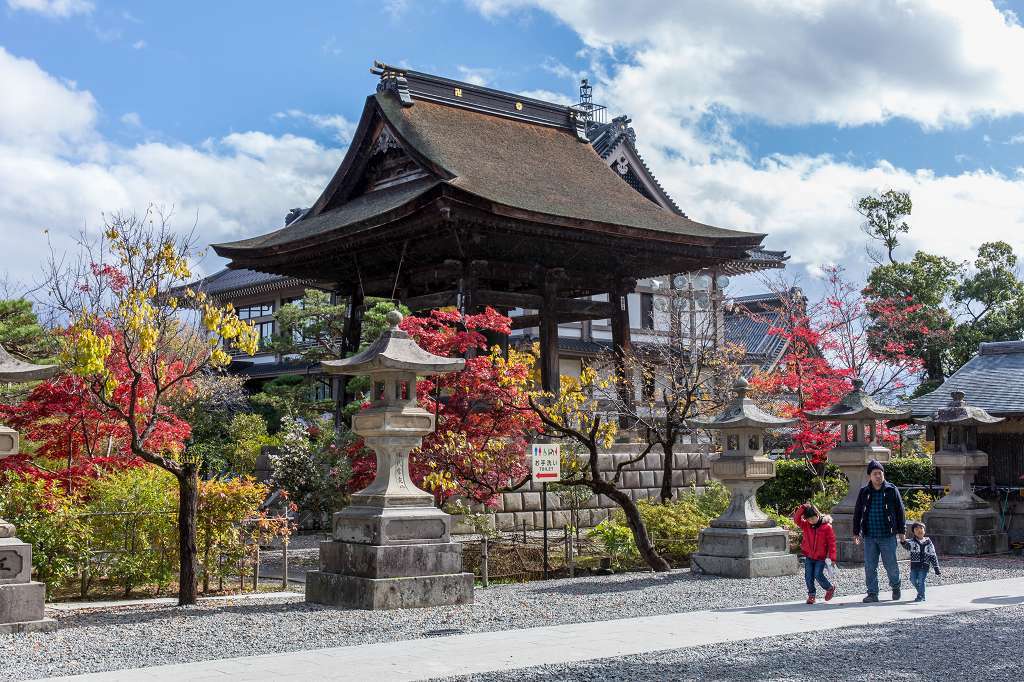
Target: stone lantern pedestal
[[857, 414], [391, 548], [961, 522], [22, 600], [743, 542]]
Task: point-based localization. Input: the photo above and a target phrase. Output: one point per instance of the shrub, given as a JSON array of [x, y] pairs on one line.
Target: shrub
[[917, 502], [45, 516], [310, 467], [673, 526], [225, 507], [247, 434], [134, 528], [796, 482], [911, 471]]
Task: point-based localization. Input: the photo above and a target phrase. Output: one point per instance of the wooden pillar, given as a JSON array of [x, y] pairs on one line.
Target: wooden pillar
[[549, 374], [349, 344], [621, 341]]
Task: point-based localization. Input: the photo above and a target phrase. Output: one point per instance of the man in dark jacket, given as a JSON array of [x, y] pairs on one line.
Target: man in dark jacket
[[878, 520]]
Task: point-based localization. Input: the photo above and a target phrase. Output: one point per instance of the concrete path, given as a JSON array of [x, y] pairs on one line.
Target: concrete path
[[507, 650]]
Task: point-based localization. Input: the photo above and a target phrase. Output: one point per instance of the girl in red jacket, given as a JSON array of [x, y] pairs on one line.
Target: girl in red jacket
[[818, 546]]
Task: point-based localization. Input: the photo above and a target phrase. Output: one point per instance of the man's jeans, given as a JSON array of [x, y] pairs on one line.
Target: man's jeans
[[815, 570], [886, 548], [918, 577]]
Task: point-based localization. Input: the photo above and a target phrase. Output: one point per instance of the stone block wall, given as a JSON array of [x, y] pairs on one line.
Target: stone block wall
[[640, 480]]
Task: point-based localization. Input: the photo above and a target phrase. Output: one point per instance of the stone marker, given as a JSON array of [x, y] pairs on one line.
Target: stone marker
[[744, 542], [857, 415], [961, 522], [391, 548], [21, 599]]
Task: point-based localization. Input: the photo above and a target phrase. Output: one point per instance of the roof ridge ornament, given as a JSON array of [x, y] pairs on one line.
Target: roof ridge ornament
[[392, 79]]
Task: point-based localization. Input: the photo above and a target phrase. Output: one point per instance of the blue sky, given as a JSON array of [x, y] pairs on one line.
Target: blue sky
[[770, 119]]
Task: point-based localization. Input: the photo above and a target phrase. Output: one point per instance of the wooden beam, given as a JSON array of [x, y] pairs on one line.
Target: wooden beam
[[440, 299]]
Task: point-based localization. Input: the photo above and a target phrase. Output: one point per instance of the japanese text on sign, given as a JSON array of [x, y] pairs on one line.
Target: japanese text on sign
[[546, 462]]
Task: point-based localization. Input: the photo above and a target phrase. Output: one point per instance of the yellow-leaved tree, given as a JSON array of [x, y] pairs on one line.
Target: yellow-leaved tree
[[576, 414], [136, 336]]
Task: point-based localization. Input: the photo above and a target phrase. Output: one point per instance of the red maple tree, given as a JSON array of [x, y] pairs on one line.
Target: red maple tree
[[74, 438], [479, 447], [828, 343]]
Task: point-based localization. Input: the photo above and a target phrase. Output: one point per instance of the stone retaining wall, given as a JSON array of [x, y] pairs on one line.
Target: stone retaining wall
[[641, 480]]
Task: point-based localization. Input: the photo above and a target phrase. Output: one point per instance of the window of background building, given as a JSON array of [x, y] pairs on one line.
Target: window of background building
[[647, 311], [256, 310]]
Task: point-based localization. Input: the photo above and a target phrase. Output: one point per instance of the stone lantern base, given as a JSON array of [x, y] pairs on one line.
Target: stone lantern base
[[21, 600], [852, 461], [744, 552], [966, 531], [390, 558]]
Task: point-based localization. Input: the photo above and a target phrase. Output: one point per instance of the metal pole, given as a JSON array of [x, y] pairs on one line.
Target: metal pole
[[484, 569], [524, 532], [544, 513], [284, 567], [568, 547], [256, 570]]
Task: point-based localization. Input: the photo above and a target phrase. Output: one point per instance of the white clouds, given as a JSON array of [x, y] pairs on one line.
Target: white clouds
[[343, 128], [549, 96], [138, 44], [848, 62], [132, 119], [58, 173], [476, 75], [40, 111], [57, 9]]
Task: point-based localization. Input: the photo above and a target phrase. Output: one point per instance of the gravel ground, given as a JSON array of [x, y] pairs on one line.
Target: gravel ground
[[136, 636], [980, 645]]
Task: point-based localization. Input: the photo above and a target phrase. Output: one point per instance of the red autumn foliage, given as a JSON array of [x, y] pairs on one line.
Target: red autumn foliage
[[77, 438], [829, 343], [481, 436]]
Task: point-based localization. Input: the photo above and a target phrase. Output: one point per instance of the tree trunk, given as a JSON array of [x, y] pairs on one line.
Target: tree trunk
[[666, 473], [188, 510], [636, 524]]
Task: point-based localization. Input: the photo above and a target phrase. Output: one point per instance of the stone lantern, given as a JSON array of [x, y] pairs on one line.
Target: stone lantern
[[21, 599], [391, 548], [744, 542], [961, 522], [857, 415]]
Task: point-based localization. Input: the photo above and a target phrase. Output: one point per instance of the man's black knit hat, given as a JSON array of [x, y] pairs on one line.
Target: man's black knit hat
[[875, 464]]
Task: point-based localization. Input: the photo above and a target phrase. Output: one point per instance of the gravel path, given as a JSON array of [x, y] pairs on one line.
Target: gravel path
[[143, 636], [979, 645]]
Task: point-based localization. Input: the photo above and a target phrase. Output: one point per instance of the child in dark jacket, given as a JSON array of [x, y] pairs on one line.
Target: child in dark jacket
[[922, 556], [818, 547]]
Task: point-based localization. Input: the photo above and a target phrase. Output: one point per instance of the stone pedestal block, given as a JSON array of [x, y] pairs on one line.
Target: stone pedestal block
[[966, 531], [354, 592], [744, 552], [847, 551], [21, 608]]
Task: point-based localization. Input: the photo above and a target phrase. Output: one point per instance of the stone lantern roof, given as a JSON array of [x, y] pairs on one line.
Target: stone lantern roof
[[394, 352], [742, 413], [959, 413], [857, 404], [13, 370]]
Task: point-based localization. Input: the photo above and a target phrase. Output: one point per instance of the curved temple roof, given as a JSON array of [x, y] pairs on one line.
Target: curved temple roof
[[742, 413], [525, 159], [857, 404]]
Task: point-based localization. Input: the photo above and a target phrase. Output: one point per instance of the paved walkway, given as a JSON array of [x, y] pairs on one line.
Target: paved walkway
[[507, 650]]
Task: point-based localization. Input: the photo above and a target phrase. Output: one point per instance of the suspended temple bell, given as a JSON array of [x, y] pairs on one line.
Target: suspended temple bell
[[21, 599], [743, 542], [857, 415], [391, 547], [961, 522]]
